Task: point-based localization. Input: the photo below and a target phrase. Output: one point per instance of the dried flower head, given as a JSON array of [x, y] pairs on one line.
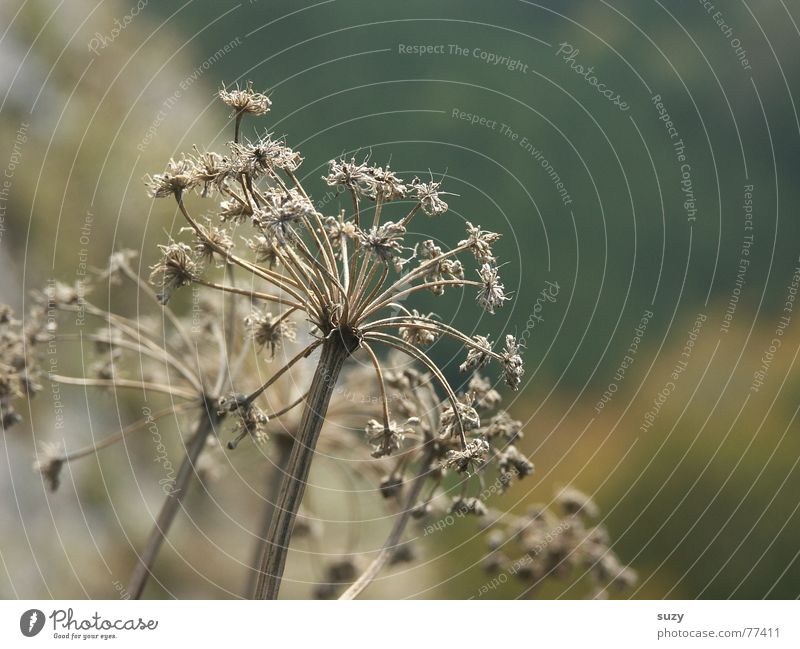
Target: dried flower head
[[268, 330], [179, 177], [492, 293], [512, 363], [419, 332], [386, 439], [470, 459], [176, 269], [245, 100], [428, 195]]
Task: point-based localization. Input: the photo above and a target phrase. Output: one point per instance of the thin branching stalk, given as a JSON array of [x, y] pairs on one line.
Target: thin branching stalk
[[169, 509], [392, 541]]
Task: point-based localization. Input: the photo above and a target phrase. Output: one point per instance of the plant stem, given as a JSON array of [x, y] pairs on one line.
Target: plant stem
[[283, 449], [335, 351], [170, 507], [393, 539]]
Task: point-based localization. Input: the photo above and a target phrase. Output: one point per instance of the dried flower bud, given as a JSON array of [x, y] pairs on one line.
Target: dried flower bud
[[480, 243], [483, 394], [49, 463], [250, 419], [353, 176], [576, 502]]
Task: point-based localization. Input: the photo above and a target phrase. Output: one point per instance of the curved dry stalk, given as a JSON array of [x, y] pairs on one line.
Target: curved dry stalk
[[422, 322], [148, 290], [173, 500], [125, 383], [392, 541], [377, 305], [256, 295], [420, 271], [401, 345], [303, 354], [160, 355], [277, 279], [381, 384], [113, 438]]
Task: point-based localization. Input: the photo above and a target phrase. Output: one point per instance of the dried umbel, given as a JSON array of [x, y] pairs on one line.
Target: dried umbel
[[302, 284], [340, 274], [557, 544]]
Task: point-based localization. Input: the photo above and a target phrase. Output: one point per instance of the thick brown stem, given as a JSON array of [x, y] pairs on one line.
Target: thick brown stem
[[335, 351], [283, 449], [170, 507]]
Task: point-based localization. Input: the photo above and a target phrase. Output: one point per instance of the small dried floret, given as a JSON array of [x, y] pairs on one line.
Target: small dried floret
[[281, 214], [250, 419], [49, 463], [259, 157], [209, 241], [385, 439], [264, 248], [245, 101], [383, 183], [512, 363], [234, 211], [480, 243], [179, 177], [337, 228], [478, 355], [428, 196], [445, 269], [269, 330], [412, 331], [176, 269], [211, 171], [469, 418], [483, 394], [385, 241], [351, 175], [492, 294], [503, 426], [465, 506], [513, 463], [573, 501], [469, 459]]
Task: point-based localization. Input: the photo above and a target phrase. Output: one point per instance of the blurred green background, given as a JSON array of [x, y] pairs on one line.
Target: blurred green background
[[703, 502]]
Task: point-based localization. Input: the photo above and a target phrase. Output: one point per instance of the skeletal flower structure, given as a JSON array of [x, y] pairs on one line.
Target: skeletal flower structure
[[302, 283], [345, 276]]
